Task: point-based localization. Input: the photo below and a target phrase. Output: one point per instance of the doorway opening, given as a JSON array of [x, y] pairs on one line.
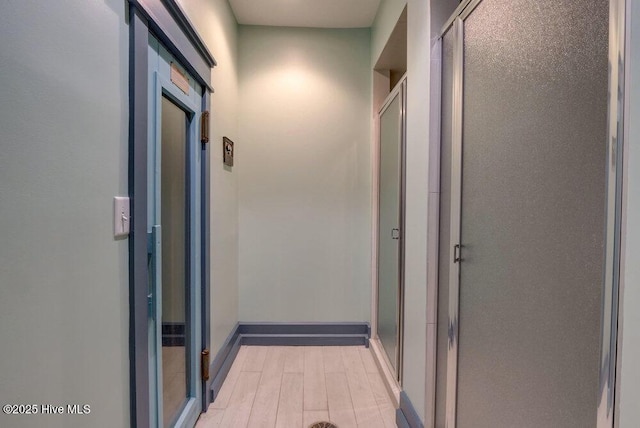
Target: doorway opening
[[169, 241]]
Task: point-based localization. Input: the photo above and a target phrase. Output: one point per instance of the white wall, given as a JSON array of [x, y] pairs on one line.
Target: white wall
[[630, 335], [303, 159], [417, 188], [216, 24], [63, 156], [388, 13], [418, 72]]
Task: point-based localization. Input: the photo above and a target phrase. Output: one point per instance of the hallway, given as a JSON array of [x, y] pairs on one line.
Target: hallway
[[295, 386]]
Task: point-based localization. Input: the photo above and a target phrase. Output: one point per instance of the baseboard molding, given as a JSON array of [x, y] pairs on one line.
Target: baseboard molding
[[282, 334], [221, 364], [406, 415], [305, 334], [401, 421]]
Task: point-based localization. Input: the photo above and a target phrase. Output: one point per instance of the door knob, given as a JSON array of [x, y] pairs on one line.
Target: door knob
[[395, 233]]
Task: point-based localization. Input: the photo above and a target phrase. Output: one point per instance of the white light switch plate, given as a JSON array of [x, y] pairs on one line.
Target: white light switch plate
[[121, 217]]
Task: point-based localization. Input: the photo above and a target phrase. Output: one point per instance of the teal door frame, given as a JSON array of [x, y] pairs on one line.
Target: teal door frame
[[166, 21]]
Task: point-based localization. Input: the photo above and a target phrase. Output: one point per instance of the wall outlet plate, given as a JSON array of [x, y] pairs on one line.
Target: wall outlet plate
[[121, 217]]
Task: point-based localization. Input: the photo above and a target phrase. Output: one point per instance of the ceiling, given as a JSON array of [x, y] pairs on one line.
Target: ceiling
[[306, 13]]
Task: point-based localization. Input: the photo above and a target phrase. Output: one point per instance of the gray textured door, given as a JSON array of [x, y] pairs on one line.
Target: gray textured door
[[533, 205]]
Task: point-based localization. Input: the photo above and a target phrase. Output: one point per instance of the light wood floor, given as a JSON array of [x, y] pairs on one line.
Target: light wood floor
[[295, 386]]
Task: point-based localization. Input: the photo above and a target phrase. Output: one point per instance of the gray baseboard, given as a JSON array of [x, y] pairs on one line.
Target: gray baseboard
[[406, 415], [401, 421], [305, 334], [282, 334], [221, 364], [303, 340]]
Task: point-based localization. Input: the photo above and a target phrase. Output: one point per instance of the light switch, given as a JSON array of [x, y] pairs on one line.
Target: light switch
[[121, 217]]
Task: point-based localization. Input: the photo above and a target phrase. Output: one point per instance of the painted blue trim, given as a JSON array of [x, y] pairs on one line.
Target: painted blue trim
[[189, 29], [219, 367], [406, 415], [138, 250], [401, 421], [224, 367], [307, 328], [172, 27], [205, 281], [305, 339], [305, 334], [164, 87]]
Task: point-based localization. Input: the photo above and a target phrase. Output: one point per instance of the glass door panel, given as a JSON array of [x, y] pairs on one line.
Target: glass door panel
[[174, 261], [389, 232]]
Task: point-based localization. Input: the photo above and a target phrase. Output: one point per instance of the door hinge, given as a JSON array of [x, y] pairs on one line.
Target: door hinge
[[204, 127], [204, 364]]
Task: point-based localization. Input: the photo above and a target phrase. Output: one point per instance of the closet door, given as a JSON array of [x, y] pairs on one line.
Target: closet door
[[532, 219]]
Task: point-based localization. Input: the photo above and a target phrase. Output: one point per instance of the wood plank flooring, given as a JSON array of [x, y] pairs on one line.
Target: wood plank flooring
[[295, 386]]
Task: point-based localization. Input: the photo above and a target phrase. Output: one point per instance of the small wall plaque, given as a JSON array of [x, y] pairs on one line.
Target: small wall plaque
[[227, 147], [179, 79]]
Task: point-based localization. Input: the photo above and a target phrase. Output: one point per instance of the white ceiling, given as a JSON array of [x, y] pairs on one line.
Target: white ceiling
[[306, 13]]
